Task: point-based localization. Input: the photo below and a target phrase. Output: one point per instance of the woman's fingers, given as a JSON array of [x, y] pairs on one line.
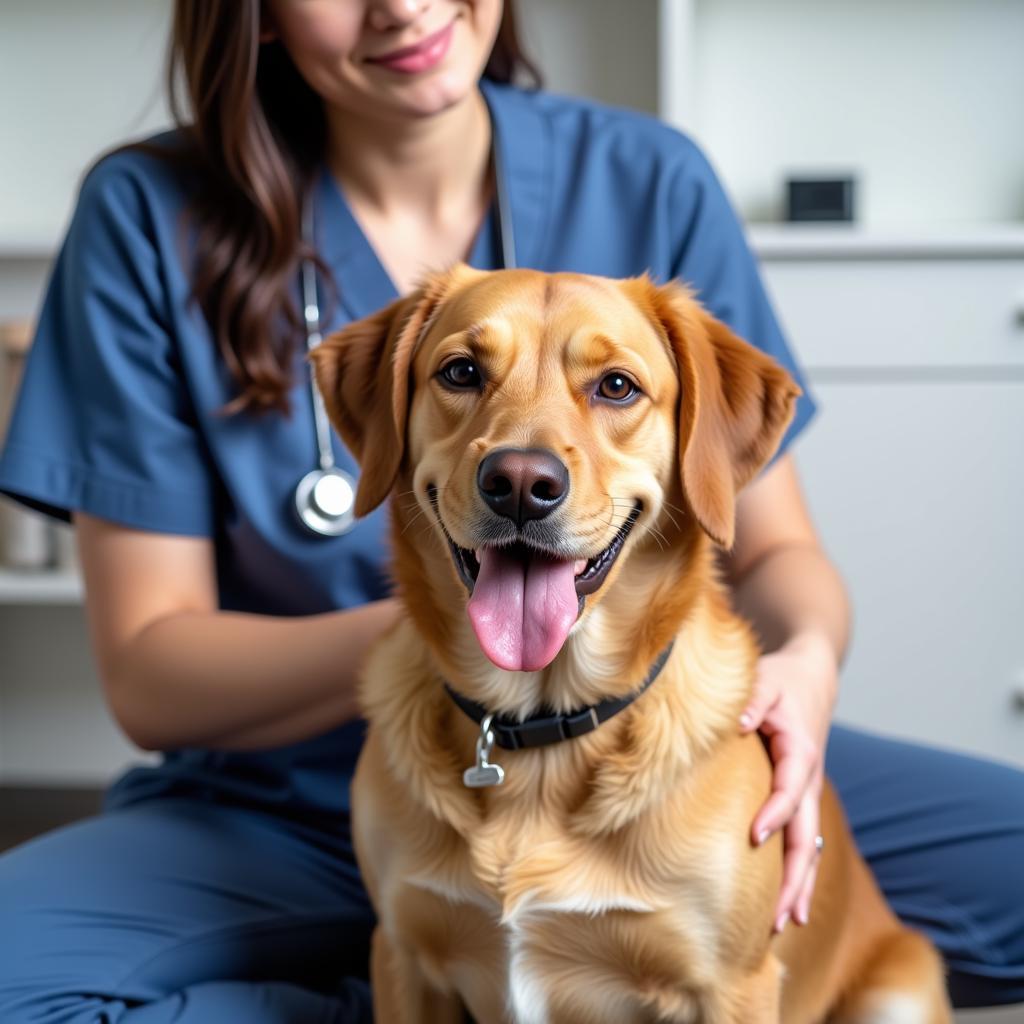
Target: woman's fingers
[[800, 863], [762, 700], [796, 762], [791, 704], [802, 912]]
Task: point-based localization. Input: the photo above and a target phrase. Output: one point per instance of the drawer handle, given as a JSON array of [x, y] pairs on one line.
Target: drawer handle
[[1018, 698]]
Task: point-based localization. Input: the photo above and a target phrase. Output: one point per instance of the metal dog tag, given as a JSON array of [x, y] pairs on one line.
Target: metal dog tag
[[483, 773]]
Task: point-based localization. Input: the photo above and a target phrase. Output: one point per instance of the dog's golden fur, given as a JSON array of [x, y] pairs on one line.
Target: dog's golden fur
[[611, 878]]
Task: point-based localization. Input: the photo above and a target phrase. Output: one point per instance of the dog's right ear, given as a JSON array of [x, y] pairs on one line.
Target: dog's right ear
[[362, 372]]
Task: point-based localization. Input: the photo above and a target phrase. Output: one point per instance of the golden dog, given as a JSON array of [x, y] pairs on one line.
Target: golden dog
[[565, 453]]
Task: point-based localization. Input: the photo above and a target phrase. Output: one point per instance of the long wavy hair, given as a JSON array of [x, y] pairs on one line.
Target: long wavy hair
[[254, 134]]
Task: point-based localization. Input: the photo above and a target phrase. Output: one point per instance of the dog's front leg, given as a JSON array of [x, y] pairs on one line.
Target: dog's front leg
[[756, 998], [401, 992]]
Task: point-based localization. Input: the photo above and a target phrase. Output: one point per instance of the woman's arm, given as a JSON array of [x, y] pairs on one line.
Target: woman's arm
[[784, 584], [781, 579], [178, 672]]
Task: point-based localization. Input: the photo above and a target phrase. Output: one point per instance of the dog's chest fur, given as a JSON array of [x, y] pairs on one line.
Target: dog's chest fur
[[542, 915]]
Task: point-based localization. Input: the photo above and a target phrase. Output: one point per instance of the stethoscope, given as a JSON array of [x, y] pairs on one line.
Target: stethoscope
[[325, 497]]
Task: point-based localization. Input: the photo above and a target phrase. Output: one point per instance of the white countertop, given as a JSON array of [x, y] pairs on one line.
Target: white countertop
[[914, 241]]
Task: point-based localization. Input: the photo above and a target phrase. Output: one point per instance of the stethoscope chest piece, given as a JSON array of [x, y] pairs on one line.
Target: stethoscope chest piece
[[324, 501]]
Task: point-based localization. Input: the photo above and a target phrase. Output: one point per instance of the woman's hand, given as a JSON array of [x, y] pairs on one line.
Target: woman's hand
[[794, 694]]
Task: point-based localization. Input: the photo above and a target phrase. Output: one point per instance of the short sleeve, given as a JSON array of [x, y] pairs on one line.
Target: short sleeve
[[714, 258], [103, 421]]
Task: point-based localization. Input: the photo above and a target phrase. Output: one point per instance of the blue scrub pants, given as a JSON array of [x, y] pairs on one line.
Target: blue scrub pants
[[187, 911]]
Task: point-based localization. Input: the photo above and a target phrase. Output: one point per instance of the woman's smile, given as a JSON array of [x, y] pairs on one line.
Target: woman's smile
[[421, 56]]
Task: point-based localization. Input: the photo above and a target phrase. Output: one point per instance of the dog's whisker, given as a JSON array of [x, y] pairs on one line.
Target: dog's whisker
[[675, 508], [416, 518], [660, 538], [667, 506], [622, 503], [671, 517], [424, 528]]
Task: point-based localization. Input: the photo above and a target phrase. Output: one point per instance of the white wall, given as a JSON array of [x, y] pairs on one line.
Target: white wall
[[75, 78], [922, 97], [605, 49]]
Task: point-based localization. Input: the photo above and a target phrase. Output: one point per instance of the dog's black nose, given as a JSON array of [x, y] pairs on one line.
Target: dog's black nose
[[523, 483]]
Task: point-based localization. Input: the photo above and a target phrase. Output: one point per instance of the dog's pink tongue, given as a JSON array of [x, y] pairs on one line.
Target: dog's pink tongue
[[522, 610]]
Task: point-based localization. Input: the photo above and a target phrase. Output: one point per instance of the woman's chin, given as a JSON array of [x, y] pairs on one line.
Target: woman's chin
[[432, 95]]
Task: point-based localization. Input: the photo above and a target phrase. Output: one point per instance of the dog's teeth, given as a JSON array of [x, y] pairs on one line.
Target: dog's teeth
[[578, 566]]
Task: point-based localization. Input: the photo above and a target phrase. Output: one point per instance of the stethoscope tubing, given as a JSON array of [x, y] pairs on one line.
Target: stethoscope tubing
[[311, 313]]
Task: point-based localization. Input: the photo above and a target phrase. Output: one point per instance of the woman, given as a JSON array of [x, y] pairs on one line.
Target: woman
[[220, 886]]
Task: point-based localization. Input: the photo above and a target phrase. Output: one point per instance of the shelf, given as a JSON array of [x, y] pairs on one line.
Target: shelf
[[786, 241], [30, 247], [855, 241], [40, 586]]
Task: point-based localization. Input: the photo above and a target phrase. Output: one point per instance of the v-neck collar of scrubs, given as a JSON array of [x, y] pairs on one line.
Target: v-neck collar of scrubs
[[364, 286]]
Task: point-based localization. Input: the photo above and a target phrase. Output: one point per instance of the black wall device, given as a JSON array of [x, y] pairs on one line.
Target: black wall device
[[819, 199]]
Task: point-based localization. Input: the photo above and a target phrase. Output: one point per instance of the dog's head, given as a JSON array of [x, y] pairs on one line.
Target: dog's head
[[544, 424]]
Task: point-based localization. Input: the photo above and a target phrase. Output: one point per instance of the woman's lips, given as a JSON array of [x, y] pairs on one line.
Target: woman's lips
[[424, 55]]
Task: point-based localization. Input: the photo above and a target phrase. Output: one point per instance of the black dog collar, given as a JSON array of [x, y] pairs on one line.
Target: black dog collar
[[543, 730]]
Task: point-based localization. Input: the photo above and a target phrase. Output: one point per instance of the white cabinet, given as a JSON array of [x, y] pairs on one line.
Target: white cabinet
[[911, 326], [921, 315], [913, 471]]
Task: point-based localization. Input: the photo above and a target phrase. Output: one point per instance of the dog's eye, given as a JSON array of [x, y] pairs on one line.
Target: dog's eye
[[460, 373], [617, 387]]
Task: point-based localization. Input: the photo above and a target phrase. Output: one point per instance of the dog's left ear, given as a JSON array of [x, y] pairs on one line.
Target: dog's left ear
[[735, 405], [362, 372]]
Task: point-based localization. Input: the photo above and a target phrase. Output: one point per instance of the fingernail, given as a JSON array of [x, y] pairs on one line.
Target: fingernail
[[782, 922], [745, 720], [800, 915], [763, 835]]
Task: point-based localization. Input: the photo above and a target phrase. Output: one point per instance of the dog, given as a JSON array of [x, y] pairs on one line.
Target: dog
[[563, 454]]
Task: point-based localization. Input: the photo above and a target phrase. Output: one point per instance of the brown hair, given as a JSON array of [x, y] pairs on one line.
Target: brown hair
[[254, 134]]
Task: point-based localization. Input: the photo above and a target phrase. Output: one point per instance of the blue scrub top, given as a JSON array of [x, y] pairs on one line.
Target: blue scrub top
[[117, 411]]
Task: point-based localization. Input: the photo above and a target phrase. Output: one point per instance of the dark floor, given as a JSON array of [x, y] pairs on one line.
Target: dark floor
[[27, 811]]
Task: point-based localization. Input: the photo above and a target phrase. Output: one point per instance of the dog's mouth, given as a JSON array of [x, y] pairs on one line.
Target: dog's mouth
[[524, 597]]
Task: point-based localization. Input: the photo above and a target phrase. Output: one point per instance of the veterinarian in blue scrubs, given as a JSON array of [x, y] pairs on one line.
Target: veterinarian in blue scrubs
[[220, 886]]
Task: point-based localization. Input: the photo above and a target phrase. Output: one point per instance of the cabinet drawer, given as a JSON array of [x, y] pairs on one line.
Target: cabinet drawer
[[901, 313], [917, 491]]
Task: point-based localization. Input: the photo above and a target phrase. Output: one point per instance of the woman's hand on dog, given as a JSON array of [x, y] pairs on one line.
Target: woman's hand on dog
[[794, 695]]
